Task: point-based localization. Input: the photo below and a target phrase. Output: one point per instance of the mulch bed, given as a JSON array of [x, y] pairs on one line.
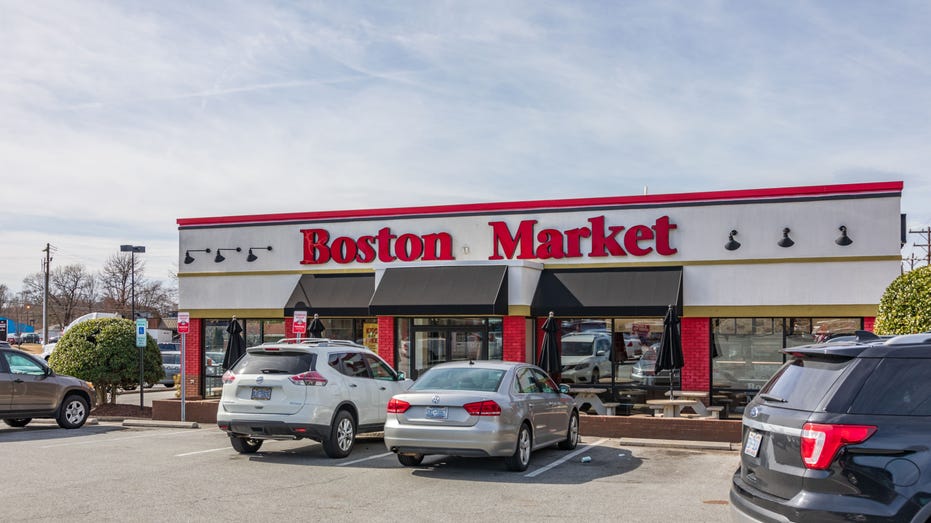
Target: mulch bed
[[122, 410]]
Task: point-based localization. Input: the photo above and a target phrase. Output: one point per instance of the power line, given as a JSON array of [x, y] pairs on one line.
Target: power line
[[926, 233]]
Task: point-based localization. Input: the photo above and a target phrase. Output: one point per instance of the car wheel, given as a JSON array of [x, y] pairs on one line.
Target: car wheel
[[596, 375], [520, 460], [245, 445], [342, 436], [572, 436], [73, 412], [410, 460], [17, 422]]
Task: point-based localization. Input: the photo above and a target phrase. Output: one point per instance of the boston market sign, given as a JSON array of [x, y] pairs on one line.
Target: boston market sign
[[525, 242]]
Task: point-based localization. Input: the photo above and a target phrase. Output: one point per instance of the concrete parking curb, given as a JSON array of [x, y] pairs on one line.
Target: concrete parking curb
[[679, 444], [50, 421], [161, 424]]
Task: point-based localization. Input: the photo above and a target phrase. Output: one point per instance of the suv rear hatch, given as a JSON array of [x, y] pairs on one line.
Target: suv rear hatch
[[774, 422], [263, 385]]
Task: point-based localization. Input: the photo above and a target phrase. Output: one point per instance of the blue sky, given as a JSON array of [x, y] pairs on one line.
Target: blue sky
[[117, 118]]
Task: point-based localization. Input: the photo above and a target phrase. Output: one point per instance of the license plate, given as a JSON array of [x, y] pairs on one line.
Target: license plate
[[436, 413], [261, 393], [752, 446]]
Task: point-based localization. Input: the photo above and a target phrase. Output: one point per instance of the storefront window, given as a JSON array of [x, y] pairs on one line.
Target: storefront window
[[746, 352], [215, 337], [425, 342]]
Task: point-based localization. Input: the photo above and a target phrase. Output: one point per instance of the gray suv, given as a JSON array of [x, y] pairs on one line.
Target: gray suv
[[841, 432], [30, 389]]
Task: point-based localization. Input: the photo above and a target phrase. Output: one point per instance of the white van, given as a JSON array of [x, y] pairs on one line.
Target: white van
[[49, 347]]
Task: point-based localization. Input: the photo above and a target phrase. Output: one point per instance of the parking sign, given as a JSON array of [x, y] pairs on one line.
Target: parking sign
[[300, 322], [141, 334], [184, 322]]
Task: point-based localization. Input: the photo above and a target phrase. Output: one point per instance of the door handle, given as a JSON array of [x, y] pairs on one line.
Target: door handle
[[18, 380], [353, 385], [383, 388]]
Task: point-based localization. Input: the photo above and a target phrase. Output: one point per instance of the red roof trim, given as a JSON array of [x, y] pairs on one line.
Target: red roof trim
[[484, 208]]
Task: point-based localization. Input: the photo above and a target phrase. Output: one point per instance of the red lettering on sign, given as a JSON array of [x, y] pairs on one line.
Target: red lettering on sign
[[384, 246]]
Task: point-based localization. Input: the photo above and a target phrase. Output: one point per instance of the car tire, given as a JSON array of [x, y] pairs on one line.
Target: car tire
[[245, 445], [17, 422], [73, 412], [520, 460], [410, 460], [572, 434], [342, 436]]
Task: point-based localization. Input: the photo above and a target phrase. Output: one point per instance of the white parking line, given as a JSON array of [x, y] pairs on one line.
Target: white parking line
[[564, 459], [105, 441], [365, 459], [201, 452]]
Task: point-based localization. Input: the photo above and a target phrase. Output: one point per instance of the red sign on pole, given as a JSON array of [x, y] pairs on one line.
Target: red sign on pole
[[184, 322], [300, 322]]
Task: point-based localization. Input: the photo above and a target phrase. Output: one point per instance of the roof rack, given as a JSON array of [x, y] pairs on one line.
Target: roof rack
[[313, 341]]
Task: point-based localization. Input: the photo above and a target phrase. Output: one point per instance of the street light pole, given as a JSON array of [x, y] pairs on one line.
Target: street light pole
[[132, 250]]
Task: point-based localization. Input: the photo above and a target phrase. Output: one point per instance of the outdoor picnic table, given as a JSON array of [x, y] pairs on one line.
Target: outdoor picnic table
[[673, 408], [688, 394], [590, 396]]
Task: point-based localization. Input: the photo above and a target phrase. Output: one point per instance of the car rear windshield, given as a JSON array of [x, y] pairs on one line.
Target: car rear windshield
[[897, 387], [171, 358], [483, 380], [275, 363], [803, 382]]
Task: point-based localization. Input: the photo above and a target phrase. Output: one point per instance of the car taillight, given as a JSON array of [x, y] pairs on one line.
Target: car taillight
[[396, 406], [483, 408], [310, 378], [821, 442], [228, 377]]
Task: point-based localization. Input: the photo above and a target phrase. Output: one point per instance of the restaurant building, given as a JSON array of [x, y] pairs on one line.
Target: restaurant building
[[749, 272]]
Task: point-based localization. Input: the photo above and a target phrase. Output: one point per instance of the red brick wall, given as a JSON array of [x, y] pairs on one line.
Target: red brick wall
[[515, 338], [696, 348], [192, 357], [869, 323], [288, 324], [386, 339]]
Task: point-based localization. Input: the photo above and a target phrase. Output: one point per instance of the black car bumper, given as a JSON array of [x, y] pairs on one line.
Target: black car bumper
[[275, 430]]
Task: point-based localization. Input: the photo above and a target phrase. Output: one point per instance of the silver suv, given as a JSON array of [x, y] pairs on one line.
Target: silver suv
[[320, 389]]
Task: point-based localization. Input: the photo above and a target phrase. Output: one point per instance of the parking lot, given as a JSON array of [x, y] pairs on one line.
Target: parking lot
[[111, 472]]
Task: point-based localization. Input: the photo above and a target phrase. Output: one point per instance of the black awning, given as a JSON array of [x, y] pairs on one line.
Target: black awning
[[480, 289], [332, 294], [608, 292]]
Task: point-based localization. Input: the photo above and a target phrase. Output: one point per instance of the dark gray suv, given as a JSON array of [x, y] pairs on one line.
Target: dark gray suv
[[30, 389], [842, 432]]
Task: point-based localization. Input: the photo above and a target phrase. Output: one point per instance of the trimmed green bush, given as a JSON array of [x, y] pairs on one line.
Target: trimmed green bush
[[905, 307], [103, 351]]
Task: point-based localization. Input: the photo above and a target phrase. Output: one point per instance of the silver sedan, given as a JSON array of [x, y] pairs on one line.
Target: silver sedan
[[481, 409]]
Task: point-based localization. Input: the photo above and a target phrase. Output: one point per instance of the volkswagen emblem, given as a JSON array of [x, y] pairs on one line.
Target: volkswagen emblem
[[260, 379], [436, 399], [754, 412]]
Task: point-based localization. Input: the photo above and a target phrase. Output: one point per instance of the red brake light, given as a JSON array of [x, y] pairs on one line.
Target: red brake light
[[821, 442], [228, 377], [483, 408], [310, 378], [396, 406]]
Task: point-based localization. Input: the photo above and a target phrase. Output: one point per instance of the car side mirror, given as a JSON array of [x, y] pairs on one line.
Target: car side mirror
[[401, 376], [563, 388], [599, 353]]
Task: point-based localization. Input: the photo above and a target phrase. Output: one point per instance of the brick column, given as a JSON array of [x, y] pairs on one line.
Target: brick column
[[696, 348], [869, 323], [288, 324], [514, 332], [386, 339], [193, 357]]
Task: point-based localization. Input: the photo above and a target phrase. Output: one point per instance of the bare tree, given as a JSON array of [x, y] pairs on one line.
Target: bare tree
[[116, 282], [5, 298], [70, 289]]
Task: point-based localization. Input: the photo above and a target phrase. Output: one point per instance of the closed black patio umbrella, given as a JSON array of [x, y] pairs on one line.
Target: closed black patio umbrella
[[550, 359], [670, 348], [235, 345], [316, 327]]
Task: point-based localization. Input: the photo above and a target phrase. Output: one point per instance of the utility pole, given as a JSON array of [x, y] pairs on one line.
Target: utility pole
[[910, 261], [926, 234], [48, 261]]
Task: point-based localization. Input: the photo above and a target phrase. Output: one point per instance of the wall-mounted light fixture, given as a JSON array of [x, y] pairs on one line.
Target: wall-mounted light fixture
[[844, 240], [252, 257], [786, 241], [220, 256], [188, 259], [732, 244]]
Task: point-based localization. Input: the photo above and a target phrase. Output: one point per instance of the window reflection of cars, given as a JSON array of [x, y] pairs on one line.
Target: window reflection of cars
[[585, 357], [643, 371], [214, 362], [171, 363]]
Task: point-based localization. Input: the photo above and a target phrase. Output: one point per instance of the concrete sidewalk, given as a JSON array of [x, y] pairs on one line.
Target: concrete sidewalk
[[679, 444]]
